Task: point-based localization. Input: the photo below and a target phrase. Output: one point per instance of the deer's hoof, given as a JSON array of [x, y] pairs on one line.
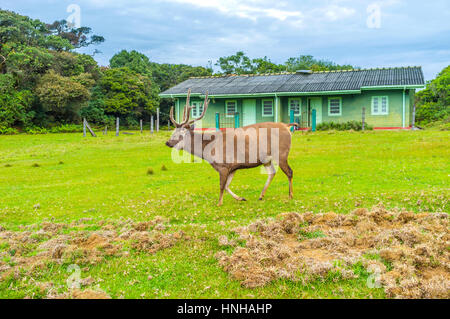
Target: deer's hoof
[[260, 198], [243, 199]]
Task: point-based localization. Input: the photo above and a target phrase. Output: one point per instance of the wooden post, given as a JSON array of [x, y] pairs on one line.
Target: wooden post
[[217, 121], [141, 125], [413, 124], [89, 128], [117, 127], [363, 118], [84, 127], [106, 130], [151, 124], [291, 119], [168, 125], [236, 120], [313, 120], [157, 119]]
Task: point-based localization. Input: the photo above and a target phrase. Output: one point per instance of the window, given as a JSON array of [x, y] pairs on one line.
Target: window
[[267, 108], [197, 109], [230, 108], [334, 106], [294, 104], [380, 105]]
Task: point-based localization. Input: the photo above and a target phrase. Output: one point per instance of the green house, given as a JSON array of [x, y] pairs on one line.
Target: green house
[[385, 96]]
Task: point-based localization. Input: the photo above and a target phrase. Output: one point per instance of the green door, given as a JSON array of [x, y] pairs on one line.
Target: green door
[[249, 112], [316, 104]]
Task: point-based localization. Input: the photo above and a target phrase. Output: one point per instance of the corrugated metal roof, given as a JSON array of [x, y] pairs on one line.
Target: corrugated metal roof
[[322, 81]]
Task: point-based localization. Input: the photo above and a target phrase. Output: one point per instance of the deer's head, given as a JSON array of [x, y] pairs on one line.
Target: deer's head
[[185, 127]]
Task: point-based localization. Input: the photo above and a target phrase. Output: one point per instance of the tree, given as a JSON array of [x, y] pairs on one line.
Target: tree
[[264, 65], [15, 105], [122, 92], [433, 103], [238, 63], [135, 61], [77, 37], [62, 97]]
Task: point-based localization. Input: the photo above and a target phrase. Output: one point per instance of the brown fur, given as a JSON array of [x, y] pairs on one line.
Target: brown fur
[[227, 168]]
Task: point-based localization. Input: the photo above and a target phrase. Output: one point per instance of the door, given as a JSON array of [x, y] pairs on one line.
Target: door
[[249, 112], [316, 104]]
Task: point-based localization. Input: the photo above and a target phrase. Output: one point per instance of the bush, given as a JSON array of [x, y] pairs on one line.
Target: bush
[[7, 130], [35, 130], [346, 126]]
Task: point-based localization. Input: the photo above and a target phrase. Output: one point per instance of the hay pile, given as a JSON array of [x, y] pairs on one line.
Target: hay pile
[[408, 254]]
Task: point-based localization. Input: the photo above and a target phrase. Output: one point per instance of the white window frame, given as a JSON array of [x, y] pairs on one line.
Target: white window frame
[[299, 106], [380, 98], [340, 106], [196, 107], [262, 108], [227, 113]]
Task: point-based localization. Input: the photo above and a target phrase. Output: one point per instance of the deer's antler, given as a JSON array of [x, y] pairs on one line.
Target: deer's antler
[[205, 107], [186, 112]]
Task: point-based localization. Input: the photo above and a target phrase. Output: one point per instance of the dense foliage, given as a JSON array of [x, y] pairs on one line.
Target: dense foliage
[[433, 103]]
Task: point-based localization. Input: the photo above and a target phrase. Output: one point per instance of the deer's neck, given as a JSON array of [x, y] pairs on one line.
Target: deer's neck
[[197, 145]]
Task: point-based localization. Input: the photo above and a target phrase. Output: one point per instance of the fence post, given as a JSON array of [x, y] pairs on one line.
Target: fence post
[[413, 124], [84, 127], [106, 130], [117, 126], [313, 120], [236, 120], [363, 118], [168, 125], [157, 119], [151, 124], [291, 119], [140, 122], [89, 128], [217, 121]]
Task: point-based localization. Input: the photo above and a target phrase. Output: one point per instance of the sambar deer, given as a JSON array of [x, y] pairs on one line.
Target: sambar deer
[[233, 149]]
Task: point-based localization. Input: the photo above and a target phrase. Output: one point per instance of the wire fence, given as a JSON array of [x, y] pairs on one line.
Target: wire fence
[[154, 124]]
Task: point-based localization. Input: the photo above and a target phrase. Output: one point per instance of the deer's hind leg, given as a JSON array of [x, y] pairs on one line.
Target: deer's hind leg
[[270, 175], [289, 173], [223, 183], [227, 187]]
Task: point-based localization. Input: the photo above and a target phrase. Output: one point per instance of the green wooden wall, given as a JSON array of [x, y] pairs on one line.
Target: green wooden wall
[[352, 105]]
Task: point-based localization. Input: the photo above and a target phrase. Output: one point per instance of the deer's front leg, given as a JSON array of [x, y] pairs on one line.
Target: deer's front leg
[[227, 187]]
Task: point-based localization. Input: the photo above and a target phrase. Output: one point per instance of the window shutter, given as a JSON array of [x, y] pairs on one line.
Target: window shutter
[[335, 106], [375, 105], [267, 108]]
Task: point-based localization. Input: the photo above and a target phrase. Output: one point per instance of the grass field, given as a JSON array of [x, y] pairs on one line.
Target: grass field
[[64, 177]]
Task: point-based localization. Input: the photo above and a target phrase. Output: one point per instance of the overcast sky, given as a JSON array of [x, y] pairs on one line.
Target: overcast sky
[[414, 32]]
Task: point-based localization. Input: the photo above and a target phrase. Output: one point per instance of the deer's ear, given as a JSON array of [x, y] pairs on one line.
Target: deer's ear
[[189, 127]]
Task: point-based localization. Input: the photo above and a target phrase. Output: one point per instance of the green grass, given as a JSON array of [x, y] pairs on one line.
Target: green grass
[[108, 177]]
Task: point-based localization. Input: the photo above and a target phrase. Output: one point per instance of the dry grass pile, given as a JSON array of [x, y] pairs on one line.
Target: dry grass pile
[[33, 248], [407, 254]]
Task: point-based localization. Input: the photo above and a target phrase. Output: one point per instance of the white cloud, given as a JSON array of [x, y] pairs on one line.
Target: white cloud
[[248, 9]]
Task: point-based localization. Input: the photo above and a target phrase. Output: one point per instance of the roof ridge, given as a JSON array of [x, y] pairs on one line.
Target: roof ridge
[[290, 73]]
